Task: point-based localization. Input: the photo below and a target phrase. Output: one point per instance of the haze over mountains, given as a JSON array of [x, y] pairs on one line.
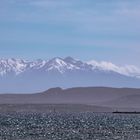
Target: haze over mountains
[[21, 76]]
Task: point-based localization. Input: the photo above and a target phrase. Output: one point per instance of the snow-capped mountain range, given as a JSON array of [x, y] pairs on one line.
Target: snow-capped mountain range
[[19, 66], [67, 72]]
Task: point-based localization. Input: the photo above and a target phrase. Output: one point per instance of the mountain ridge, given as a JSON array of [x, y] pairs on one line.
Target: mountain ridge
[[20, 65], [18, 75]]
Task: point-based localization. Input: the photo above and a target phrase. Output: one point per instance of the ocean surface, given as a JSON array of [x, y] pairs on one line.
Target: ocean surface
[[69, 126]]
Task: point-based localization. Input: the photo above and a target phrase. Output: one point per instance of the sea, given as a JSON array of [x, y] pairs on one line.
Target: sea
[[69, 126]]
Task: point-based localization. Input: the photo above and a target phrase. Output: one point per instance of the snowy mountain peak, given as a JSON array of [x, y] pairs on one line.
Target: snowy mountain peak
[[12, 65], [58, 61], [60, 65]]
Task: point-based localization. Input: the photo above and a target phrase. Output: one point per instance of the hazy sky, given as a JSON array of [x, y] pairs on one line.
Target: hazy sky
[[106, 30]]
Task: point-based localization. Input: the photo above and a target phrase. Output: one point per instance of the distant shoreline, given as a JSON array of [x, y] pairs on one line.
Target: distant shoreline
[[120, 112]]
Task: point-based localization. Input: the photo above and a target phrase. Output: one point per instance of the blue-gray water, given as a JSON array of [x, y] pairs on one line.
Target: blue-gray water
[[69, 126]]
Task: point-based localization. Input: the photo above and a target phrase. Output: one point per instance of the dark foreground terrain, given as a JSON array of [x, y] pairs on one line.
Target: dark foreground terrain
[[69, 126]]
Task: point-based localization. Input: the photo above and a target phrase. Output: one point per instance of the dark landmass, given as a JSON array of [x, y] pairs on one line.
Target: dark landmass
[[118, 112], [80, 99]]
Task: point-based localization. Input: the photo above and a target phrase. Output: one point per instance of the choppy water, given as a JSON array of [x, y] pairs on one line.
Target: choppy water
[[61, 126]]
